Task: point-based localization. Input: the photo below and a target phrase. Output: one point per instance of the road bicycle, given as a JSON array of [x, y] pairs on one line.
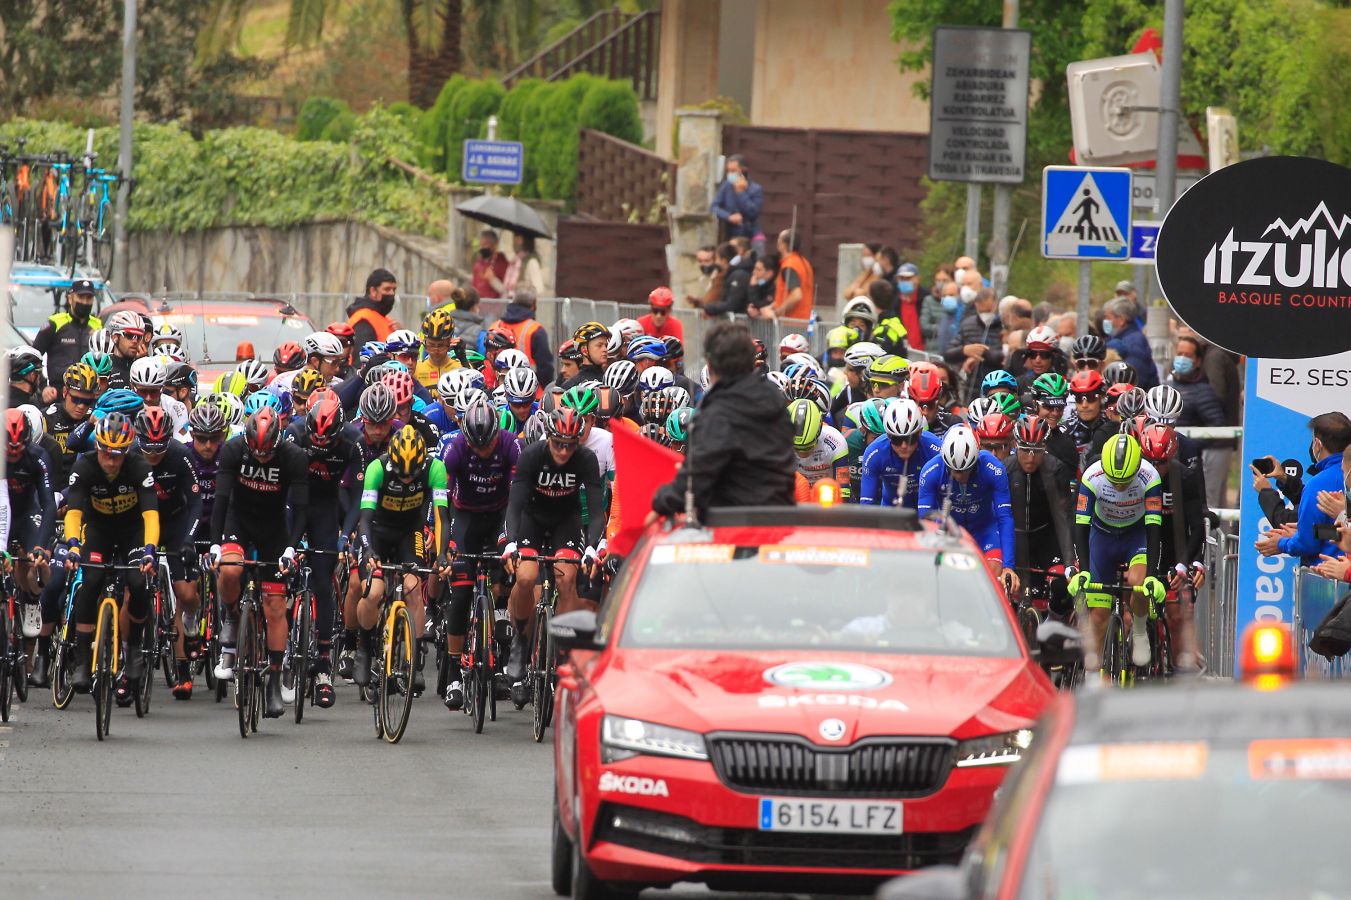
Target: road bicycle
[[1116, 641], [541, 673], [394, 666], [157, 639], [13, 658], [95, 218], [251, 661], [479, 661], [105, 663], [302, 643], [63, 644]]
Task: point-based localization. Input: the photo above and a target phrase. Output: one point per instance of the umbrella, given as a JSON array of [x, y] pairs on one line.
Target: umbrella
[[505, 212]]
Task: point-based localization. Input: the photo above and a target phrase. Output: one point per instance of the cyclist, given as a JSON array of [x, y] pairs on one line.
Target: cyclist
[[544, 516], [521, 387], [111, 511], [402, 386], [127, 331], [80, 393], [148, 379], [677, 431], [479, 464], [260, 479], [857, 358], [1039, 492], [1119, 372], [1048, 398], [438, 335], [31, 496], [1042, 356], [886, 375], [925, 386], [1117, 519], [25, 376], [866, 417], [998, 382], [821, 450], [1088, 428], [897, 456], [969, 485], [995, 433], [400, 491]]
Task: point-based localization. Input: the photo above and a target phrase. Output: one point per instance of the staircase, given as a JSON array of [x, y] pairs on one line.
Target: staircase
[[611, 44]]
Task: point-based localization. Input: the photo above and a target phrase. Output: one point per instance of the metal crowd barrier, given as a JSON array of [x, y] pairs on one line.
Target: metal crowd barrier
[[1216, 613], [1314, 598]]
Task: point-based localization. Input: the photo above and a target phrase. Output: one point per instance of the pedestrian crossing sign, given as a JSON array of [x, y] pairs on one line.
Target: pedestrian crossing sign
[[1086, 213]]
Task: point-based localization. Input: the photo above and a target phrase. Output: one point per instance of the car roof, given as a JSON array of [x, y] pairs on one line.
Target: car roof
[[159, 306], [1212, 711], [28, 273], [842, 525]]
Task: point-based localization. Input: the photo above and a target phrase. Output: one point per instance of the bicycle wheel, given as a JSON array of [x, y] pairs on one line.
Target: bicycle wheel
[[300, 655], [18, 660], [1113, 650], [396, 690], [1028, 620], [62, 692], [104, 671], [487, 679], [541, 684], [1161, 649], [245, 668], [6, 677], [103, 254], [149, 649], [476, 679]]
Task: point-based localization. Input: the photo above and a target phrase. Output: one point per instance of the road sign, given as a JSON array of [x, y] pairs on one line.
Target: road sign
[[1145, 190], [493, 162], [978, 105], [1144, 235], [1085, 213]]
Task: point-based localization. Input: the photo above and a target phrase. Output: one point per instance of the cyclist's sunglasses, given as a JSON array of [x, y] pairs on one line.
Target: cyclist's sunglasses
[[1038, 354], [905, 441], [1031, 448], [207, 438], [77, 400], [563, 446], [149, 392], [1091, 397], [1087, 362]]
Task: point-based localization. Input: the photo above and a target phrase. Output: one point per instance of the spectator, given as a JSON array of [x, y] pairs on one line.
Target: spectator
[[65, 337], [977, 348], [889, 261], [795, 288], [911, 303], [531, 337], [1125, 337], [441, 293], [1201, 406], [524, 269], [1331, 436], [890, 332], [709, 284], [369, 315], [1126, 290], [764, 279], [490, 266], [944, 316], [468, 320], [740, 450], [869, 271], [738, 203], [736, 282], [1015, 313], [659, 322], [1041, 313], [931, 310]]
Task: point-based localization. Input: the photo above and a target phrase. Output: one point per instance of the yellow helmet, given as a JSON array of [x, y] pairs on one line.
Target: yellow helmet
[[81, 377], [232, 382], [888, 369], [306, 382], [807, 421], [438, 326], [408, 452], [1121, 458]]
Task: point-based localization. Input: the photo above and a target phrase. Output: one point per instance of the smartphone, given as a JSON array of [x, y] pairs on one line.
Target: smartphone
[[1327, 533], [1264, 465]]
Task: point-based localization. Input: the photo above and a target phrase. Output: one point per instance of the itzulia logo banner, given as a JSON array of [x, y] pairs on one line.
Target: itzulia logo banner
[[1257, 257]]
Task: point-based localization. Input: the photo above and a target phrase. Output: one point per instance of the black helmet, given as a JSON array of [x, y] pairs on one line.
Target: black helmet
[[1119, 373], [1088, 345], [479, 424]]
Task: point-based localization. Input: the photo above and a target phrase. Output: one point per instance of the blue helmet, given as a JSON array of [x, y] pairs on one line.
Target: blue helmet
[[260, 399], [283, 397], [997, 380], [646, 347], [372, 348], [121, 400], [418, 403], [396, 365]]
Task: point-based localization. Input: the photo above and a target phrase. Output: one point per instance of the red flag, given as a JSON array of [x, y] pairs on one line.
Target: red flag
[[641, 466]]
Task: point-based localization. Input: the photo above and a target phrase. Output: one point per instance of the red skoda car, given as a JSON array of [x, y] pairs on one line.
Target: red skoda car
[[783, 699]]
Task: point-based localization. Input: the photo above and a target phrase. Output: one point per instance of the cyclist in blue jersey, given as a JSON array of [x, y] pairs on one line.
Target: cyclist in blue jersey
[[521, 387], [972, 485], [899, 454]]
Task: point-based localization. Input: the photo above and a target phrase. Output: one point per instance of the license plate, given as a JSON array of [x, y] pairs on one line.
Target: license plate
[[847, 816]]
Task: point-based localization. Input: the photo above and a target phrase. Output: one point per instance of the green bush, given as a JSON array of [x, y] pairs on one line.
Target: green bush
[[474, 103], [435, 126], [409, 115], [315, 115], [339, 128], [513, 123], [612, 107]]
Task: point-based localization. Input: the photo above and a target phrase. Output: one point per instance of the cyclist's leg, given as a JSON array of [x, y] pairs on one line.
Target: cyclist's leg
[[1106, 553], [1136, 572], [567, 543], [229, 584], [1044, 553], [323, 535]]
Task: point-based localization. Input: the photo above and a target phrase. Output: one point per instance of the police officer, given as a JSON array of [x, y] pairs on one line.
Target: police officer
[[65, 337]]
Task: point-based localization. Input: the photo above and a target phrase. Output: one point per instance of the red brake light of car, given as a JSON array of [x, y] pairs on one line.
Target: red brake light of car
[[826, 492], [567, 678], [1268, 658]]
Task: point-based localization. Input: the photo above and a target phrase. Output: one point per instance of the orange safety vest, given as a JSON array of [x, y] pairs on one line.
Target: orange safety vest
[[524, 332], [803, 308], [374, 319]]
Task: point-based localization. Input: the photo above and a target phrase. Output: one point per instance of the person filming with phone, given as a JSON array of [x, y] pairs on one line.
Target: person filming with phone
[[1313, 532]]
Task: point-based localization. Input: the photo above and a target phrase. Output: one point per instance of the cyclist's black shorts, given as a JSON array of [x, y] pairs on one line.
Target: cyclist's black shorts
[[179, 569], [268, 539], [25, 523], [119, 542], [398, 547], [559, 537], [475, 532]]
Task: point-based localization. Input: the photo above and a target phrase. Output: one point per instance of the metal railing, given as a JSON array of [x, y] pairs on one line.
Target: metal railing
[[1216, 602], [1315, 596], [610, 43]]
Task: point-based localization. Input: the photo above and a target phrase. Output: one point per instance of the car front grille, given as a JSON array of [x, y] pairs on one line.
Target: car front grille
[[793, 766]]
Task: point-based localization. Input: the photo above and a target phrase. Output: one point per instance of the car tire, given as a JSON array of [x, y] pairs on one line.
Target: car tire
[[560, 860], [585, 884]]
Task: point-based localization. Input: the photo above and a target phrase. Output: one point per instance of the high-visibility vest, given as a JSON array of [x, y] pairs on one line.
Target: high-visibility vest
[[523, 331], [374, 319], [62, 319]]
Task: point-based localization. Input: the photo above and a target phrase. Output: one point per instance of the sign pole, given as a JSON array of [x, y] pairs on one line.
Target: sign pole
[[1003, 202], [120, 249], [1170, 99], [973, 222], [1085, 288]]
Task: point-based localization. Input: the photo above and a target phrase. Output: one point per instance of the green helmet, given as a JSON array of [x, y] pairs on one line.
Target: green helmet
[[888, 369], [474, 359], [580, 398], [678, 424], [870, 414], [841, 337], [1121, 458], [807, 421], [1052, 384], [1008, 404], [506, 421], [101, 363]]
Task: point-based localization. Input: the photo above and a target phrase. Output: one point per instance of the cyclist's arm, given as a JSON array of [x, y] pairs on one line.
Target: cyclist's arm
[[46, 498], [1194, 517], [1083, 521], [1001, 506], [840, 463], [930, 488], [436, 480], [870, 483], [353, 479], [148, 502], [595, 500], [297, 492], [225, 486], [1153, 524], [192, 512], [4, 514], [371, 485]]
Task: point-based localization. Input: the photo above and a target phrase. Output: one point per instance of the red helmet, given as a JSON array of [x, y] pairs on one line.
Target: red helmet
[[926, 384], [1114, 391], [288, 357], [1136, 427], [154, 429], [317, 396], [262, 432], [994, 427], [565, 424], [17, 433], [1086, 381], [342, 331], [400, 384], [1032, 432], [498, 339], [1158, 442], [661, 298], [324, 421]]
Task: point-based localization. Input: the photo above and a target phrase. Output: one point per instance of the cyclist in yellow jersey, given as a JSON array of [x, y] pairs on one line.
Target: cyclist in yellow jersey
[[438, 331]]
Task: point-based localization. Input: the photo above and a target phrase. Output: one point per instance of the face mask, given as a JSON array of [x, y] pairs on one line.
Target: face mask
[[80, 311], [949, 303], [987, 318], [959, 276], [1313, 457], [1182, 365], [907, 288], [877, 267], [1108, 327], [758, 282], [736, 260], [708, 269], [968, 294], [867, 263], [485, 253]]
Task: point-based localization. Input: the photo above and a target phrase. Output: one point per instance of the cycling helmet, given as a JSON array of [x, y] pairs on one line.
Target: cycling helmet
[[321, 343], [166, 334], [805, 360], [979, 408], [24, 361], [614, 344], [400, 385], [255, 373], [480, 424], [154, 429], [167, 353], [678, 395], [124, 321], [565, 424], [288, 357], [114, 432], [655, 378], [262, 431], [793, 343], [101, 341], [872, 414], [18, 433], [608, 403], [998, 380], [1135, 427], [960, 449], [778, 379], [1132, 403], [521, 385], [231, 406], [1164, 403], [1031, 433], [377, 403], [438, 326], [262, 400], [654, 432], [1121, 458], [588, 332], [807, 422], [925, 384], [568, 351], [371, 349], [122, 400], [1086, 381], [306, 382], [902, 420], [581, 398], [36, 422], [468, 396], [678, 424], [511, 358], [536, 428], [1041, 338], [674, 349], [206, 419], [318, 397], [861, 355], [80, 376], [179, 375], [808, 387], [860, 308], [623, 376], [994, 427], [628, 329], [841, 337], [661, 298], [450, 383], [403, 341], [407, 453], [656, 406], [342, 331], [1119, 373], [1158, 442], [1008, 404], [100, 362], [706, 379], [888, 369], [646, 347], [498, 339], [1049, 388], [147, 372], [1088, 346]]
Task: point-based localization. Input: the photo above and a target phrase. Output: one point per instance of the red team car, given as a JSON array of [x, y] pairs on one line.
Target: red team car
[[786, 698]]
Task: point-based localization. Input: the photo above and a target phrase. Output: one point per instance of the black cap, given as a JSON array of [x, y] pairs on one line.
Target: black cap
[[83, 286]]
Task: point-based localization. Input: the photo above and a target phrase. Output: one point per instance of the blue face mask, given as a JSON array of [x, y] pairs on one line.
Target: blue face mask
[[949, 303], [1108, 327], [907, 288], [1182, 365]]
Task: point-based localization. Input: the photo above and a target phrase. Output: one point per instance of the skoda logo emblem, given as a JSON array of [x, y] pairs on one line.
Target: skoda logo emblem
[[835, 676], [832, 729]]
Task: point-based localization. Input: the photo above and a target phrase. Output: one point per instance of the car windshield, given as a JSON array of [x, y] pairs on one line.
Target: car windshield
[[212, 332], [721, 596], [31, 304], [1190, 820]]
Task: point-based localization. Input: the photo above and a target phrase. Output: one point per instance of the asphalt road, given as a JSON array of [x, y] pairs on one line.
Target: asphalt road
[[178, 805]]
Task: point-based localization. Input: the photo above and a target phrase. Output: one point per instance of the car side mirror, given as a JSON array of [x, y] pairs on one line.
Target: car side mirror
[[936, 883], [1058, 644], [574, 630]]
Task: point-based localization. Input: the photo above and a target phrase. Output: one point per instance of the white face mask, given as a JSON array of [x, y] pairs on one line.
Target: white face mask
[[969, 295], [867, 263], [959, 276], [877, 267], [987, 318], [736, 261], [1066, 345]]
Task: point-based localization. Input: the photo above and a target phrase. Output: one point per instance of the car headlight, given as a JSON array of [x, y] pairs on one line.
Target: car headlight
[[993, 750], [622, 738]]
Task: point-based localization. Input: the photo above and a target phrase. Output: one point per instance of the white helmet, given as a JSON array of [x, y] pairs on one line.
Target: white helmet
[[615, 343], [1163, 403], [979, 408], [860, 308], [468, 396], [167, 353], [148, 372], [37, 425], [656, 378], [449, 384], [679, 396], [166, 334], [101, 341], [622, 375], [510, 358], [321, 343], [861, 355], [124, 320], [778, 379], [255, 373], [793, 343], [236, 405], [903, 419], [960, 448], [402, 341], [705, 380], [802, 359], [628, 329], [1041, 338], [520, 385]]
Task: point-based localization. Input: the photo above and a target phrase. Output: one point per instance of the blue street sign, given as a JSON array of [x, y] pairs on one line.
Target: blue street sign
[[1085, 213], [1144, 235], [493, 162]]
